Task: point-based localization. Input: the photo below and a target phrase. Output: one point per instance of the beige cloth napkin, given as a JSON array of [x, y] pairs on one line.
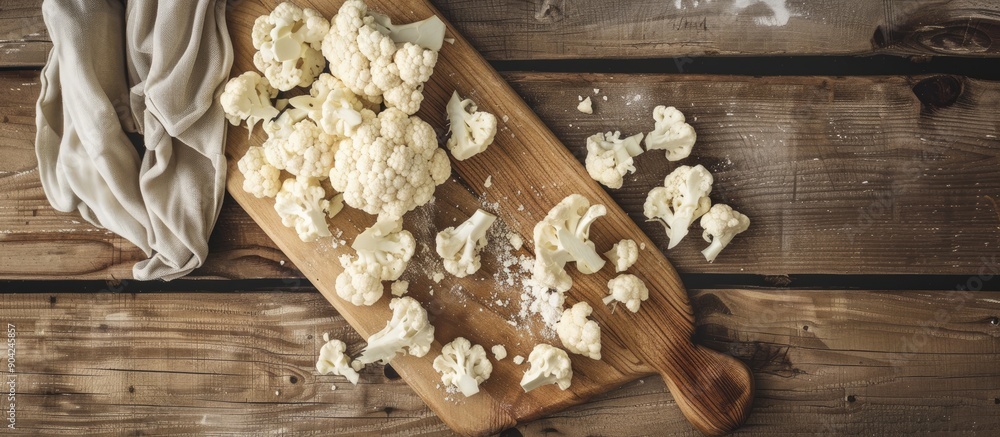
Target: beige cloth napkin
[[154, 68]]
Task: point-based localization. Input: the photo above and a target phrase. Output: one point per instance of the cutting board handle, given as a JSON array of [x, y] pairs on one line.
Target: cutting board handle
[[713, 390]]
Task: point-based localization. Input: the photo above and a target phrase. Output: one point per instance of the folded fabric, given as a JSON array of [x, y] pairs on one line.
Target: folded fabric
[[155, 68]]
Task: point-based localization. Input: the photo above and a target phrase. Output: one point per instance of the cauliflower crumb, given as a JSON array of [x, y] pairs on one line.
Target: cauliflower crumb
[[605, 98], [500, 352], [597, 90], [518, 359], [437, 277], [399, 288], [515, 241], [642, 246], [586, 106], [489, 181]]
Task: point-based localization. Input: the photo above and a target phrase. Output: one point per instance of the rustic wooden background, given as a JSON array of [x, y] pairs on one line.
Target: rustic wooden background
[[865, 298]]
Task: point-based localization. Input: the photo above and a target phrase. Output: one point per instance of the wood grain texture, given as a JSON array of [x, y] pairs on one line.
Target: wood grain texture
[[840, 175], [549, 29], [826, 362], [553, 29], [24, 41], [714, 391]]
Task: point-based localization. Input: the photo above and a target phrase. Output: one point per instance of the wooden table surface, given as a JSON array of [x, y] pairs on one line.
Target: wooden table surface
[[865, 297]]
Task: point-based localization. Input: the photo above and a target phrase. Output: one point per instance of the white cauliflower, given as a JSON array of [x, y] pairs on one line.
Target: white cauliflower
[[682, 199], [278, 131], [609, 158], [563, 236], [399, 288], [307, 152], [259, 178], [427, 33], [721, 224], [579, 335], [459, 246], [549, 365], [463, 365], [302, 204], [407, 331], [288, 43], [671, 133], [332, 106], [383, 252], [332, 359], [623, 254], [472, 130], [365, 56], [499, 351], [391, 165], [248, 97], [585, 106], [627, 289], [546, 302]]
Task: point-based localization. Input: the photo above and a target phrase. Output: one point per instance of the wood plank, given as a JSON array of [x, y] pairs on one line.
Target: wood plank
[[834, 362], [840, 175], [562, 29], [24, 41]]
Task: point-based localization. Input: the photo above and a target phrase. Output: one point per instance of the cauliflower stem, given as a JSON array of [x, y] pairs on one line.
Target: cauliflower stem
[[459, 246], [407, 331]]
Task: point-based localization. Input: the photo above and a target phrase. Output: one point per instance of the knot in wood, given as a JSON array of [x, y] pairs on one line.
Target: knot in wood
[[938, 91]]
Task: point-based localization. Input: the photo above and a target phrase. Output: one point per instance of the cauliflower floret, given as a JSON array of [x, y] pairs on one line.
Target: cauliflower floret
[[428, 33], [248, 97], [463, 365], [682, 199], [721, 224], [407, 331], [609, 158], [383, 252], [379, 61], [259, 178], [278, 131], [331, 105], [549, 365], [288, 43], [563, 236], [308, 151], [546, 302], [627, 289], [579, 335], [359, 283], [332, 358], [302, 204], [459, 246], [623, 254], [391, 165], [472, 130], [671, 133]]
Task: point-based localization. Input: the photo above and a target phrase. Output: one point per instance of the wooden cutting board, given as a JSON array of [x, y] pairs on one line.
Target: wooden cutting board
[[530, 171]]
